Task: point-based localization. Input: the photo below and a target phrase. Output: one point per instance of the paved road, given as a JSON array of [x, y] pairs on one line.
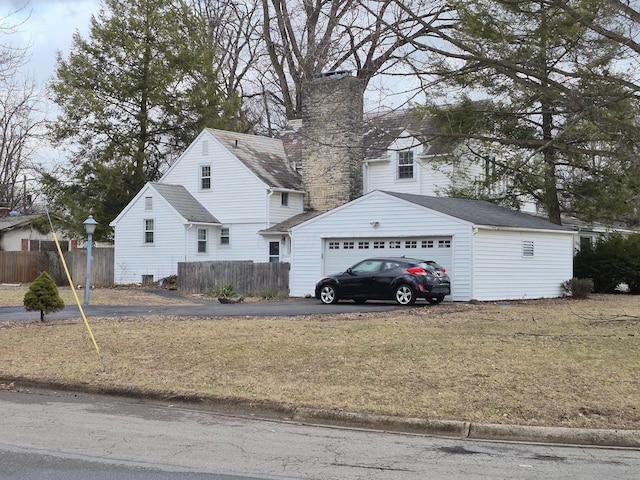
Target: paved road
[[294, 307], [45, 434]]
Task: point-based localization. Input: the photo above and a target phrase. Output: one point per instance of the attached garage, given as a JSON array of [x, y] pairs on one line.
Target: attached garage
[[490, 252]]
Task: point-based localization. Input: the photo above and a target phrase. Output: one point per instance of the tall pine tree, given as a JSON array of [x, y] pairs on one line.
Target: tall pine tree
[[131, 97], [542, 100]]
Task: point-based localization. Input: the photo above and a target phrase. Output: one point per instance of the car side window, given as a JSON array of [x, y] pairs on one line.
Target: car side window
[[367, 266], [390, 265]]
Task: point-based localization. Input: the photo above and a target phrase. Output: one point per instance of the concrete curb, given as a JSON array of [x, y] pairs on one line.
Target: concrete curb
[[327, 417]]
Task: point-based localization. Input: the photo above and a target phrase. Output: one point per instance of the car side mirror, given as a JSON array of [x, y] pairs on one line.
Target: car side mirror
[[349, 271]]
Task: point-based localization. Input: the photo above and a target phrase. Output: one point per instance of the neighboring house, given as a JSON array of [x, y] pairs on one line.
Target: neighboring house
[[20, 233], [490, 252], [300, 199], [212, 204]]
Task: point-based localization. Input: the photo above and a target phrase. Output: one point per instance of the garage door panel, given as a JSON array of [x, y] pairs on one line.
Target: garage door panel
[[341, 253]]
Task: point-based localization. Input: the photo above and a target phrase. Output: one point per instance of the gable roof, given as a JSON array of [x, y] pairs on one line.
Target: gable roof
[[264, 156], [479, 212], [380, 130], [11, 222], [184, 203]]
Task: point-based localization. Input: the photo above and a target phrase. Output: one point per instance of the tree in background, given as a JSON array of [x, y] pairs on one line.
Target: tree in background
[[43, 295], [131, 97], [274, 47], [21, 122], [541, 101]]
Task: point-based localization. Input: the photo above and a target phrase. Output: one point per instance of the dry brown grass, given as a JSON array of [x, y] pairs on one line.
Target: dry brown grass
[[555, 362], [11, 296]]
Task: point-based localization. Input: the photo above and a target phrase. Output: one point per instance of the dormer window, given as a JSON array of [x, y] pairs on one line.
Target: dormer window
[[205, 177], [284, 199], [405, 164]]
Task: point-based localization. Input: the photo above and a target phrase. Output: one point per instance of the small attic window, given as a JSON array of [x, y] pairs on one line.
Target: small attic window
[[148, 203], [405, 164]]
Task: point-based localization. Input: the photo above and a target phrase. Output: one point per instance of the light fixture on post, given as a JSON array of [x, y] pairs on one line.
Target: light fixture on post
[[89, 227]]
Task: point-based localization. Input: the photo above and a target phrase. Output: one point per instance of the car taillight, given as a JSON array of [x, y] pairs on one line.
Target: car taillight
[[444, 270], [416, 271]]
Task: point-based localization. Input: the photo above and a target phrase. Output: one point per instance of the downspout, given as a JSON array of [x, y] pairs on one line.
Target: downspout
[[271, 192], [186, 242]]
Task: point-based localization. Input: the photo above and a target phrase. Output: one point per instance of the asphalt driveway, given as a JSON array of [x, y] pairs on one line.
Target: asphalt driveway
[[283, 308]]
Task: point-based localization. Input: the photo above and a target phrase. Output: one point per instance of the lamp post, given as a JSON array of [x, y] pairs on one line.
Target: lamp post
[[90, 228]]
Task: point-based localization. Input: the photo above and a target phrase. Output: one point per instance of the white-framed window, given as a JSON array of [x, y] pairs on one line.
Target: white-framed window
[[205, 177], [202, 240], [405, 165], [411, 244], [149, 231], [284, 199], [527, 248], [148, 203], [395, 243], [444, 243], [334, 245], [274, 252], [348, 245], [363, 245], [379, 244], [225, 236], [427, 243]]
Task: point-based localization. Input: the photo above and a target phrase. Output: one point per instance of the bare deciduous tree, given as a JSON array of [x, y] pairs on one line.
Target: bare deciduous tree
[[20, 121]]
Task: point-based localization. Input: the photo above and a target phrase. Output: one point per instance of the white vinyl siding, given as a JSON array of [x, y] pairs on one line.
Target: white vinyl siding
[[502, 271]]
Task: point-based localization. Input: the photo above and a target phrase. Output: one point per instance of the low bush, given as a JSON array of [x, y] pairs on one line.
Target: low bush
[[578, 287], [612, 261]]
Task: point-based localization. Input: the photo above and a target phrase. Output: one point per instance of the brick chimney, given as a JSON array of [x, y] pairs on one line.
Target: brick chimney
[[332, 151]]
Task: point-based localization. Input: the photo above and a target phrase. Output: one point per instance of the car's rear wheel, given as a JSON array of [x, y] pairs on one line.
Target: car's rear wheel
[[405, 295], [328, 294], [435, 300]]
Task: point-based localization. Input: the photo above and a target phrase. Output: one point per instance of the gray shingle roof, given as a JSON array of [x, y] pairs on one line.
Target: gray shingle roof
[[381, 129], [184, 203], [379, 132], [264, 156], [10, 222], [479, 212], [284, 226]]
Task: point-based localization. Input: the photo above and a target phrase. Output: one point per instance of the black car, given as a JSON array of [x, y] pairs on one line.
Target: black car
[[387, 278]]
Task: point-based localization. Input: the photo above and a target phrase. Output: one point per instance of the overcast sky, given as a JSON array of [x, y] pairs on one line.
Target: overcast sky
[[48, 25]]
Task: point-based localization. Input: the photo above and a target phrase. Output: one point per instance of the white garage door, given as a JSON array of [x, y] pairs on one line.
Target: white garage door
[[340, 253]]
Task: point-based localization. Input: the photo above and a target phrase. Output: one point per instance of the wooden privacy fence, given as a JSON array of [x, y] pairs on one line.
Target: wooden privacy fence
[[24, 267], [246, 277]]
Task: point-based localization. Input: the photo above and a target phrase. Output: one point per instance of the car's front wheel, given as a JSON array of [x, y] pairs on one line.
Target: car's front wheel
[[328, 294], [435, 300], [405, 295]]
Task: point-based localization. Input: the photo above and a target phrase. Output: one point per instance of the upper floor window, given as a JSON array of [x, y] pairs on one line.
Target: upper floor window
[[148, 231], [202, 240], [205, 177], [284, 199], [405, 164], [148, 203]]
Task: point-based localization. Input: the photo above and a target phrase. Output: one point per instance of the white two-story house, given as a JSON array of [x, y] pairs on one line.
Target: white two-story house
[[338, 186]]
